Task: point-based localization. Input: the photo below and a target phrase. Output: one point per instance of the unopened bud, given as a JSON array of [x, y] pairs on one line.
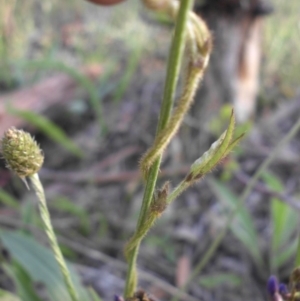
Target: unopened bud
[[272, 286], [283, 290]]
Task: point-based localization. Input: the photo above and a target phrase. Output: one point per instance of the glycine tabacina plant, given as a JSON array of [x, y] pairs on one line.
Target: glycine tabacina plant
[[192, 43]]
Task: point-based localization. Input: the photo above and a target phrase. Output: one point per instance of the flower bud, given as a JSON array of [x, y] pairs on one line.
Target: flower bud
[[283, 290], [272, 286], [21, 153]]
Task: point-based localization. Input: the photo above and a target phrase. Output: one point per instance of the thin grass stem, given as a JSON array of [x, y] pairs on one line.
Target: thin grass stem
[[45, 215]]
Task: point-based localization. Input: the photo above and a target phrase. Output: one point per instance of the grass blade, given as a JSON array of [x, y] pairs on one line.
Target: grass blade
[[8, 200], [40, 265], [243, 227], [284, 222], [22, 281], [48, 128]]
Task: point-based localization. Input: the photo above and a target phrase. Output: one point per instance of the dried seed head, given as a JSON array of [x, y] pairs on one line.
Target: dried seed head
[[21, 152]]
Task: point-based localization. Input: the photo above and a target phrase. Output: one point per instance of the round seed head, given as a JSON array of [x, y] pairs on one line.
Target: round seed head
[[21, 152]]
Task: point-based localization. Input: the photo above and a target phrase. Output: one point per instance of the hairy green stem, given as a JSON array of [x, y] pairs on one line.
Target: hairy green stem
[[182, 186], [174, 62], [211, 251], [140, 234], [164, 137], [45, 215]]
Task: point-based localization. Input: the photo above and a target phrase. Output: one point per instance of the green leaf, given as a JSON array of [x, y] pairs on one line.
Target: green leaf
[[272, 181], [218, 150], [94, 295], [22, 281], [48, 128], [41, 265], [234, 143], [284, 223], [217, 279], [7, 296], [8, 200], [286, 254], [242, 227]]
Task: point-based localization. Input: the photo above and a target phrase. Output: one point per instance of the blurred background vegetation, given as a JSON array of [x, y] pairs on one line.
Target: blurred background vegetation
[[93, 142]]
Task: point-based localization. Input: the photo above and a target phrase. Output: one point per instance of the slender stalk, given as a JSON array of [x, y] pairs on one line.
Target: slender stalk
[[174, 62], [177, 191], [45, 215], [211, 251]]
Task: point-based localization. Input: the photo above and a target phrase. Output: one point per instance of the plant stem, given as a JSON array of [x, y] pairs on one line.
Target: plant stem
[[210, 252], [45, 215], [177, 191], [174, 62]]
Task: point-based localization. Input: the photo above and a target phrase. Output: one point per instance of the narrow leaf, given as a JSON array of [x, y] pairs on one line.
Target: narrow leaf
[[7, 296], [284, 223], [217, 279], [8, 200], [243, 227], [94, 295], [48, 128], [234, 143], [283, 256], [217, 151], [22, 281], [41, 265]]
